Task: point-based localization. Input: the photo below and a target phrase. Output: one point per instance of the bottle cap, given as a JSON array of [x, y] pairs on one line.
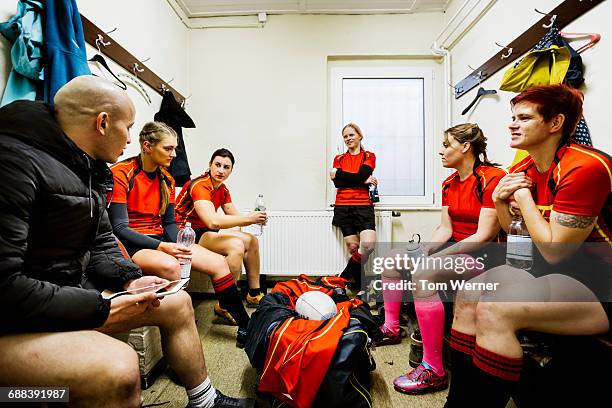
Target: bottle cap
[[187, 225]]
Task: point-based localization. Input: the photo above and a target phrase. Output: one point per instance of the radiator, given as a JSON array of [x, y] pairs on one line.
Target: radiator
[[295, 242]]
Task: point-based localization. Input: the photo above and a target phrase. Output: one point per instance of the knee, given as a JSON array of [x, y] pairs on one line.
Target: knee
[[491, 316], [122, 378], [169, 268], [464, 309], [236, 247], [181, 308], [367, 248], [252, 244], [352, 247]]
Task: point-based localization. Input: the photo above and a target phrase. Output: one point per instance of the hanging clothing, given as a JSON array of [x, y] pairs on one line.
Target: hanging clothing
[[173, 115], [64, 44], [573, 77], [24, 31], [538, 67]]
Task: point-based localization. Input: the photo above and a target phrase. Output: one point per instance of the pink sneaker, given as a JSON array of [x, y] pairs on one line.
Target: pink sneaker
[[389, 337], [421, 380]]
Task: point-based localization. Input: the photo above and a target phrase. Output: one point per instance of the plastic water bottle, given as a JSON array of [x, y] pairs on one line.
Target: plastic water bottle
[[519, 252], [414, 251], [373, 191], [186, 237], [260, 205]]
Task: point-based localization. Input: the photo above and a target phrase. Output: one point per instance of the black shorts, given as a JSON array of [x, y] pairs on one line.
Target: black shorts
[[352, 219], [200, 231], [131, 250]]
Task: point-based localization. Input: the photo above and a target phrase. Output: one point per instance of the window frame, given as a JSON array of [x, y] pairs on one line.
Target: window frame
[[337, 73]]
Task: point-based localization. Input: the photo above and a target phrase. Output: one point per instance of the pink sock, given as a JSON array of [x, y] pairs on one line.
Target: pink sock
[[393, 302], [430, 314]]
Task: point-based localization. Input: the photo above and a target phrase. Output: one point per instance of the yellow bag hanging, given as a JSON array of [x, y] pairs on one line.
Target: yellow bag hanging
[[538, 67]]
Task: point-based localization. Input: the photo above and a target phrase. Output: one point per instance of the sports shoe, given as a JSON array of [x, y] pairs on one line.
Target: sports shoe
[[224, 315], [421, 380], [416, 349], [223, 401], [389, 337], [253, 301], [241, 338]]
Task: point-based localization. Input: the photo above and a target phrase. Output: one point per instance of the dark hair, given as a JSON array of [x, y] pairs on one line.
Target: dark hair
[[223, 152], [472, 134], [551, 100]]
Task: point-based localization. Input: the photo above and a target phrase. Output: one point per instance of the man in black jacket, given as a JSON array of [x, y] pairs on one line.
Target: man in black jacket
[[57, 252]]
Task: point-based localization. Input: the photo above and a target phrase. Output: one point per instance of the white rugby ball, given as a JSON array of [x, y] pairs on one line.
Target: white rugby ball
[[315, 306]]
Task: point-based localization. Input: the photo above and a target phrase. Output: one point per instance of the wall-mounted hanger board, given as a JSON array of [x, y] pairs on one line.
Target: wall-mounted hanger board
[[123, 57], [566, 12]]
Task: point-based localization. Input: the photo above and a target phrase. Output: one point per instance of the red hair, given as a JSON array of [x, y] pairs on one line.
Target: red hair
[[551, 100]]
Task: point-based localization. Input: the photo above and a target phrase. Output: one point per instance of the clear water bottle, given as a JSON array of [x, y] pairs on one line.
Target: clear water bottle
[[260, 205], [186, 237], [414, 250], [373, 191], [519, 252]]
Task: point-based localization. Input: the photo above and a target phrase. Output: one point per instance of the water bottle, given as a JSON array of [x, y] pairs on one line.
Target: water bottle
[[519, 252], [186, 237], [259, 206], [414, 251], [373, 191]]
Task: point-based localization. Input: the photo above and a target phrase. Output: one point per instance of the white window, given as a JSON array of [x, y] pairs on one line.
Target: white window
[[393, 106]]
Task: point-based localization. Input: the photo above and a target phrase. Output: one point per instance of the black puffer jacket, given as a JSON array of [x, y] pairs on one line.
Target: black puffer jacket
[[55, 237]]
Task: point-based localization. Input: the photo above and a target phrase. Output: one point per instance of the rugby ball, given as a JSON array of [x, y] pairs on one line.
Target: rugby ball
[[315, 306]]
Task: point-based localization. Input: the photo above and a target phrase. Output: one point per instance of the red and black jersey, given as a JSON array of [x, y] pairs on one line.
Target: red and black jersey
[[200, 188], [578, 182], [466, 198], [351, 163], [141, 192]]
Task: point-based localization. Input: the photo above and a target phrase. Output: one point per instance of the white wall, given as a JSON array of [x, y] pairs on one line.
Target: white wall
[[263, 93], [146, 29], [505, 21]]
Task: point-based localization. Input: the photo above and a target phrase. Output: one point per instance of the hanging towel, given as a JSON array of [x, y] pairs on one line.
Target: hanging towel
[[173, 115], [24, 31], [65, 46]]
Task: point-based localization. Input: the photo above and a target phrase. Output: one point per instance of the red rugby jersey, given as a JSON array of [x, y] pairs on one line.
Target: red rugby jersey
[[200, 188], [462, 200], [143, 200], [351, 163], [578, 182]]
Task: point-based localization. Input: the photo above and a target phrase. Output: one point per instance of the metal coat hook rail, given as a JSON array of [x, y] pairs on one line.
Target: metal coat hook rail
[[562, 15], [99, 39]]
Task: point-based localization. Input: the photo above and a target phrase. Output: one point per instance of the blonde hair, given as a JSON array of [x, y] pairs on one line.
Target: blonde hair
[[354, 126], [154, 132], [472, 134]]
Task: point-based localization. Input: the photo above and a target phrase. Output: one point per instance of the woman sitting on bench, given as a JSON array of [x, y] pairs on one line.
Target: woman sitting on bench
[[457, 250], [562, 190]]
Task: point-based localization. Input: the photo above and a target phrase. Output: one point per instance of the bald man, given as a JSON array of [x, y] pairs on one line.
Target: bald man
[[57, 253]]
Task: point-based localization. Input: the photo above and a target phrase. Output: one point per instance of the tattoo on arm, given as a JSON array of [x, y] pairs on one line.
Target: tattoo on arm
[[574, 221]]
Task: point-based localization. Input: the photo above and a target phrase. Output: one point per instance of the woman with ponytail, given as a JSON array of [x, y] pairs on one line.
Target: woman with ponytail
[[141, 211], [469, 222]]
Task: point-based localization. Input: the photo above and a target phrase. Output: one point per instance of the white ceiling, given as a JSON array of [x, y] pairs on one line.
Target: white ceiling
[[209, 8]]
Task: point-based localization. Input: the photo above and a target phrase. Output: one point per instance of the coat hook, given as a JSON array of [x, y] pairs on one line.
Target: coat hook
[[504, 56], [100, 41], [136, 68], [553, 18], [163, 88]]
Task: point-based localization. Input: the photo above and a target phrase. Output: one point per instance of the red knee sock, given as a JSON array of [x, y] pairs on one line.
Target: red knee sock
[[497, 365], [393, 303], [227, 293], [430, 314]]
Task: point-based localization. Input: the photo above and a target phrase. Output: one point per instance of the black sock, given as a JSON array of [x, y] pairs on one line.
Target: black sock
[[254, 292], [229, 299], [463, 389], [352, 270]]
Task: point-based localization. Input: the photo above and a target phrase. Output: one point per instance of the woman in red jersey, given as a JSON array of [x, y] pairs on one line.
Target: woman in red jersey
[[142, 214], [198, 203], [457, 250], [354, 210]]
